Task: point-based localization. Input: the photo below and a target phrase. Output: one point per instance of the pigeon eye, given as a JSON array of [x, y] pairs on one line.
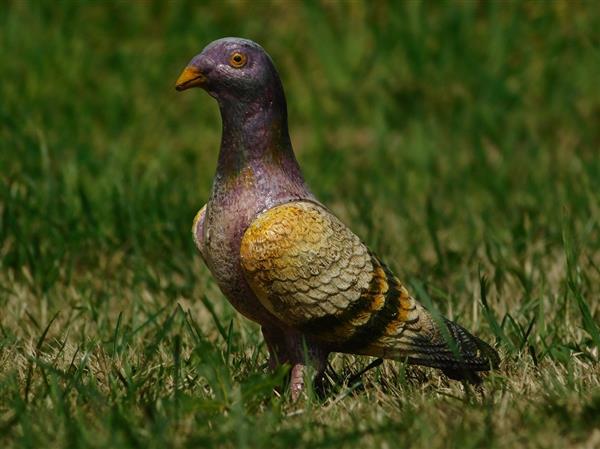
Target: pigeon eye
[[237, 60]]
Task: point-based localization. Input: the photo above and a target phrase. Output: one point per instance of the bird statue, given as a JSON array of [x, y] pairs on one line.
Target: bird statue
[[287, 262]]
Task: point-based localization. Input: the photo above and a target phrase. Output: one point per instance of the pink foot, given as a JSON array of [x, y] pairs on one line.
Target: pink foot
[[291, 347], [297, 381]]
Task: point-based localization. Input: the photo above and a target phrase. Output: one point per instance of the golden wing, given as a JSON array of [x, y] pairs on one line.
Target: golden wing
[[315, 275]]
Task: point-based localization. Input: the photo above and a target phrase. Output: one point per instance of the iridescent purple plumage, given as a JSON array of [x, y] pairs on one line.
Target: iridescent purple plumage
[[256, 170]]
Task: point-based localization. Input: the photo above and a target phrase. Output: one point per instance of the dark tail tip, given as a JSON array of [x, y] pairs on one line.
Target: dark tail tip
[[475, 353]]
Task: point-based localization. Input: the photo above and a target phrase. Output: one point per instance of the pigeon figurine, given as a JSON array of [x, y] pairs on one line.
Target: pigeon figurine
[[283, 259]]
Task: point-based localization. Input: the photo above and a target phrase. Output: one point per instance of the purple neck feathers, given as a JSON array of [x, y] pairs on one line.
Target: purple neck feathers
[[255, 136]]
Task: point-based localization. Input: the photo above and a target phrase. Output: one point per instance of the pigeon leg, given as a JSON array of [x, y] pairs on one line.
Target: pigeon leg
[[289, 346], [275, 339], [297, 381]]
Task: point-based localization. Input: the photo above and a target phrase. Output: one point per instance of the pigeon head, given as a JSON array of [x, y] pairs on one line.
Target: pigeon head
[[255, 137], [231, 70]]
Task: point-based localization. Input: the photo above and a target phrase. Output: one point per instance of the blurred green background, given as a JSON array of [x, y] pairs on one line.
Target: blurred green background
[[459, 139]]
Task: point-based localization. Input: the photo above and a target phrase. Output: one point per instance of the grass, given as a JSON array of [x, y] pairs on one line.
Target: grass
[[459, 139]]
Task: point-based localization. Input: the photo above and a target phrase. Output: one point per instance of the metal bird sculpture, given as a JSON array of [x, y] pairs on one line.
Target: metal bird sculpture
[[283, 259]]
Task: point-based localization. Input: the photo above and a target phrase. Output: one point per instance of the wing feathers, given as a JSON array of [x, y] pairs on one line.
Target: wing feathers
[[314, 274]]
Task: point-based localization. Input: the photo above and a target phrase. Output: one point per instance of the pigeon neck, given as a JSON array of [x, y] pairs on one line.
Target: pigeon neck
[[255, 136]]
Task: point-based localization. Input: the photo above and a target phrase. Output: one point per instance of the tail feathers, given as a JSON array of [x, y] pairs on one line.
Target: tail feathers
[[473, 349], [457, 353]]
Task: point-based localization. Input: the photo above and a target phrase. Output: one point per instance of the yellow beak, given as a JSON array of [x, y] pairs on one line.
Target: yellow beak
[[190, 77]]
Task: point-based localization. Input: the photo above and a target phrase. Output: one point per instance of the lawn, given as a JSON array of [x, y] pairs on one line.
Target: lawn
[[460, 140]]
